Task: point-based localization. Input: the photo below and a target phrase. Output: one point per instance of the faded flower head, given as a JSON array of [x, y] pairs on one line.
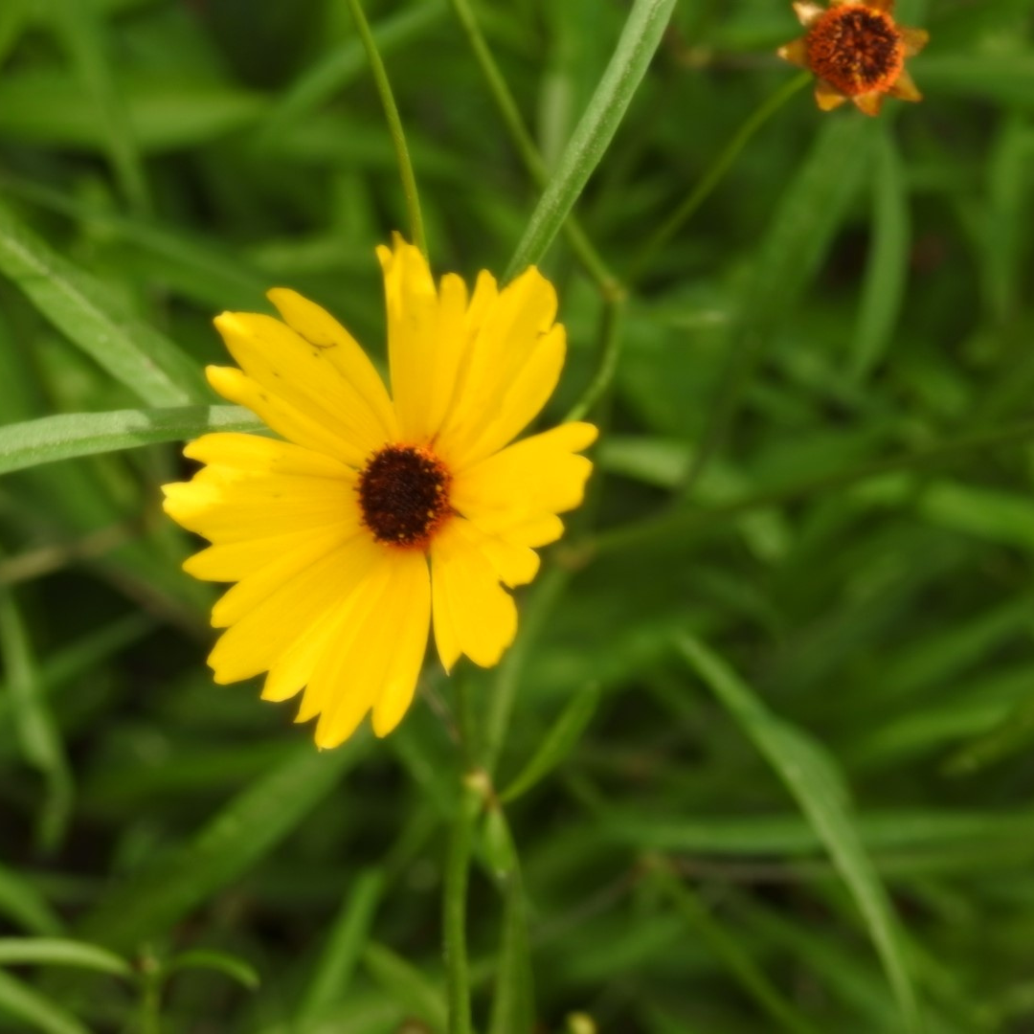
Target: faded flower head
[[857, 52]]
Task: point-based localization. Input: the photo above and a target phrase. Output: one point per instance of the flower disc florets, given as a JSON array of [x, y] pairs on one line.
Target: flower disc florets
[[856, 48], [404, 495]]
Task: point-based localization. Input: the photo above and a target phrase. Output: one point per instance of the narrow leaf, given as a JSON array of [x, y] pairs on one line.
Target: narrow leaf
[[82, 308], [38, 1011], [557, 743], [55, 951], [810, 775], [407, 986], [234, 841], [218, 961], [886, 272], [23, 903], [639, 40], [348, 940], [67, 435], [37, 732]]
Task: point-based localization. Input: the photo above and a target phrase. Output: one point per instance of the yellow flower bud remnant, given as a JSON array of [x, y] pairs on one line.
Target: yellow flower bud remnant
[[857, 52]]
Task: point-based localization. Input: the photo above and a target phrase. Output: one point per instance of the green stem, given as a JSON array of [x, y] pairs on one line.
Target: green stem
[[398, 136], [454, 906], [610, 353], [583, 248], [681, 523], [719, 167]]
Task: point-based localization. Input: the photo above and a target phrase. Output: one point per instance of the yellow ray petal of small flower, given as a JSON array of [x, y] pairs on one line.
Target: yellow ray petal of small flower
[[256, 587], [521, 529], [446, 640], [258, 640], [869, 103], [287, 366], [412, 310], [827, 96], [353, 679], [412, 601], [321, 330], [905, 88], [540, 474], [517, 403], [255, 454], [451, 338], [914, 39], [483, 613], [796, 53], [285, 419], [808, 12], [224, 509], [232, 561]]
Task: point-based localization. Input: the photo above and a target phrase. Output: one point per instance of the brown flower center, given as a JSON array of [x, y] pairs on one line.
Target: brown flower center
[[404, 495], [856, 48]]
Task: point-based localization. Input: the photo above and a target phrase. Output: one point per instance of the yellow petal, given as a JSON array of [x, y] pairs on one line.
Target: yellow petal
[[412, 310], [260, 638], [253, 453], [285, 419], [827, 96], [541, 474], [227, 506], [509, 337], [446, 640], [905, 88], [808, 12], [287, 366], [232, 561], [482, 612], [914, 39], [412, 605], [796, 53], [313, 323], [869, 103], [257, 586]]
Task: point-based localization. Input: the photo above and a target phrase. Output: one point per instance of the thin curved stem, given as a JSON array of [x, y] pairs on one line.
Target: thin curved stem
[[398, 136], [610, 353], [719, 167]]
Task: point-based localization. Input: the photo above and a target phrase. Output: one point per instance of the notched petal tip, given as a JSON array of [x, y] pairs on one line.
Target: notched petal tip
[[914, 39], [827, 96], [905, 89], [807, 12], [869, 103]]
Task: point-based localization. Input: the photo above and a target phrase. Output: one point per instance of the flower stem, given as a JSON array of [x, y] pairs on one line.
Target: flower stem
[[610, 352], [719, 167], [398, 136]]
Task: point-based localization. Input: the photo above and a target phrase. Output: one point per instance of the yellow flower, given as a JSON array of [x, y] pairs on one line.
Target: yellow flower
[[377, 511], [857, 51]]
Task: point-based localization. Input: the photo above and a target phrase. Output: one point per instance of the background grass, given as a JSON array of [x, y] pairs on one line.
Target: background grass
[[773, 701]]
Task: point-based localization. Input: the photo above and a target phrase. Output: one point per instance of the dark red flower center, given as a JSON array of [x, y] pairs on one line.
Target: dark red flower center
[[856, 48], [404, 495]]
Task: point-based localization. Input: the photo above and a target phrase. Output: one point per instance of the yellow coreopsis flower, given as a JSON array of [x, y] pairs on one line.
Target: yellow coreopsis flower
[[857, 52], [379, 513]]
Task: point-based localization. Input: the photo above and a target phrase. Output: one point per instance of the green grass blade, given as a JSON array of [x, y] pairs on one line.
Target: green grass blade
[[557, 743], [80, 27], [37, 731], [218, 962], [886, 273], [54, 951], [38, 1011], [348, 939], [639, 40], [67, 435], [406, 985], [21, 902], [84, 309], [816, 784], [236, 839]]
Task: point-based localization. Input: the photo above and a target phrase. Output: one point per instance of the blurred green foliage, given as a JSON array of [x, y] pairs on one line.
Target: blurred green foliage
[[817, 462]]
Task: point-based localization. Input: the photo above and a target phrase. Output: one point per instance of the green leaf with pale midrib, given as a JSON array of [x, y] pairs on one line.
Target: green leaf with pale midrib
[[67, 435]]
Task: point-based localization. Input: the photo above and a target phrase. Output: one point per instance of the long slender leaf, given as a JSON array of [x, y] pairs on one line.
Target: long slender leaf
[[557, 743], [242, 833], [84, 309], [37, 731], [66, 435], [348, 939], [22, 902], [639, 40], [218, 962], [407, 985], [37, 1010], [53, 951], [817, 786]]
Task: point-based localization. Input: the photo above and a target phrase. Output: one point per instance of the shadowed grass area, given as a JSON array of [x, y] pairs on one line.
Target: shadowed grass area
[[761, 756]]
